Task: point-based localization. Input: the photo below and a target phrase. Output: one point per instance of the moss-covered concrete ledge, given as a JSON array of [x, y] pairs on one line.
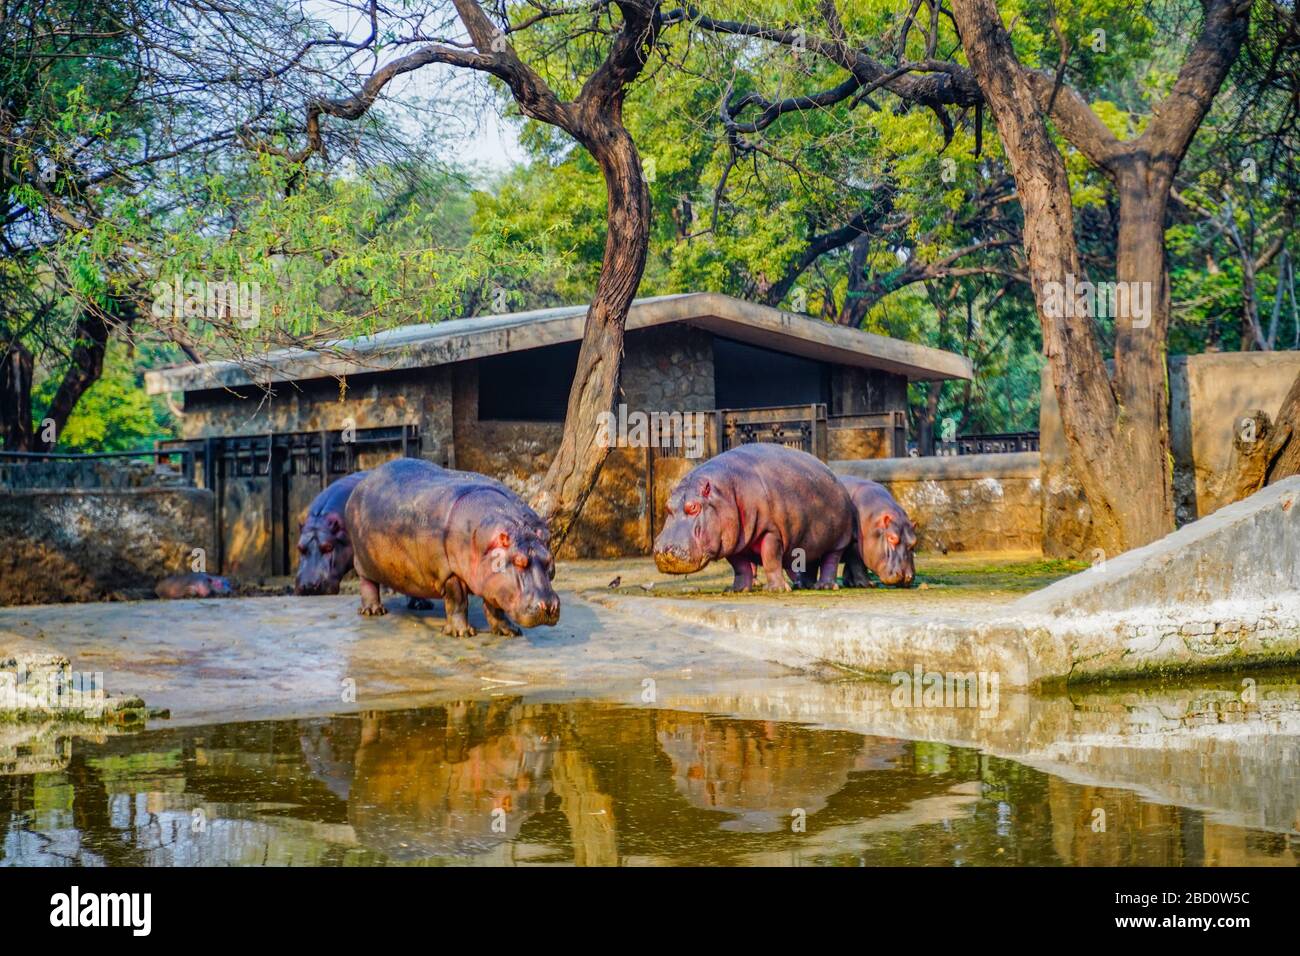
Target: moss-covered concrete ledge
[[1220, 593], [37, 683]]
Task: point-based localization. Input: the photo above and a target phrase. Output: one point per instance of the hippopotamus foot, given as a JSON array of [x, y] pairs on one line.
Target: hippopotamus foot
[[371, 603], [771, 557], [826, 573], [456, 600], [500, 623], [744, 573], [418, 604], [855, 571]]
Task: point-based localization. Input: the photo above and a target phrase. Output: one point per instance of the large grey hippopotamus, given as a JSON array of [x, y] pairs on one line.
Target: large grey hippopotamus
[[324, 548], [883, 536], [759, 503], [433, 533]]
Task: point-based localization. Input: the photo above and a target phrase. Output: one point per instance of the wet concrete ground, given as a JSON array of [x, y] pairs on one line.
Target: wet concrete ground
[[286, 656]]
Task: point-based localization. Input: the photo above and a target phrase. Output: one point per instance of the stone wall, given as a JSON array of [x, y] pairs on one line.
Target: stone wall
[[964, 503], [420, 396], [95, 544], [120, 473], [1209, 395]]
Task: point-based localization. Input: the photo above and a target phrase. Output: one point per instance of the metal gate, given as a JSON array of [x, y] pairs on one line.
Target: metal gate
[[313, 458]]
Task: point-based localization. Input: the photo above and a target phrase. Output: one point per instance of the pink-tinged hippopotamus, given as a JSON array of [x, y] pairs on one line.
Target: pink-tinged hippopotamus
[[433, 533], [759, 503], [197, 584], [883, 536], [324, 548]]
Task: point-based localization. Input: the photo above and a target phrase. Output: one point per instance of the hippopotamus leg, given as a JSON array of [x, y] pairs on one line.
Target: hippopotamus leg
[[500, 623], [826, 578], [744, 571], [371, 603], [855, 572], [455, 600], [418, 604], [770, 554]]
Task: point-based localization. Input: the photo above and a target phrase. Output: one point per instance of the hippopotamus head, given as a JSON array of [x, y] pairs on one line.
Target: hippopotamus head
[[325, 554], [696, 522], [885, 542], [513, 569]]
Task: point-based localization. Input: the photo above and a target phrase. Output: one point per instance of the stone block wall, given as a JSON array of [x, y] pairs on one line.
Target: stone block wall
[[964, 503], [95, 544]]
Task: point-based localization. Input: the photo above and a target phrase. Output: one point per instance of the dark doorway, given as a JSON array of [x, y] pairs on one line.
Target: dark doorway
[[747, 376]]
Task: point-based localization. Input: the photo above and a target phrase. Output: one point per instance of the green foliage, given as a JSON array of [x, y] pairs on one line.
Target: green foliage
[[115, 414]]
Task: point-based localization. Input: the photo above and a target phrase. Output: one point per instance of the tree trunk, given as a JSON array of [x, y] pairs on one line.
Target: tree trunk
[[87, 365], [1088, 406], [579, 458], [15, 397], [1141, 380]]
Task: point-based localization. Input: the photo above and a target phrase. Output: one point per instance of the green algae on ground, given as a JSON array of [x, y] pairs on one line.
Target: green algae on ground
[[954, 574]]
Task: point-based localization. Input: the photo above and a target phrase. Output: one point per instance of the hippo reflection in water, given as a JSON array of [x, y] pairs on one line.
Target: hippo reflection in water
[[451, 781], [761, 772]]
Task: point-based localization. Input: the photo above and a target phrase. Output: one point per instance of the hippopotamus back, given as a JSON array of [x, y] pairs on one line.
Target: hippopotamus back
[[196, 584]]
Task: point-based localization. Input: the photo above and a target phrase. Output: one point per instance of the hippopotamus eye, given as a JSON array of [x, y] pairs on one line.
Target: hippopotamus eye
[[692, 507], [520, 561], [893, 539], [302, 549], [326, 547]]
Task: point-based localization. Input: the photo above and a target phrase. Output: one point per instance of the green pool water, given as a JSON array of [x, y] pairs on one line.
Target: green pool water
[[506, 781]]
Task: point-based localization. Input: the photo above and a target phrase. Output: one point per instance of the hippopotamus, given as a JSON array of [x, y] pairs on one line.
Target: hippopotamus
[[325, 551], [430, 532], [758, 503], [883, 536], [196, 584]]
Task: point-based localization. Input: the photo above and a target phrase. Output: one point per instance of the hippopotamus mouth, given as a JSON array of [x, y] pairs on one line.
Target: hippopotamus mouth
[[541, 612], [678, 561], [326, 585]]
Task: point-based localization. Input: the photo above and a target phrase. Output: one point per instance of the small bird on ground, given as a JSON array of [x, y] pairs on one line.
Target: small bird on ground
[[650, 586], [616, 582]]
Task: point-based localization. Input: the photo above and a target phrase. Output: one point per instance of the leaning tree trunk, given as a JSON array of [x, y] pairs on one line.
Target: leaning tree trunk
[[15, 397], [579, 458]]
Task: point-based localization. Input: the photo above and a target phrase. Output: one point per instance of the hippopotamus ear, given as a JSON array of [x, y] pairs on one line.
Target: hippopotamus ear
[[885, 520], [335, 524], [502, 540], [704, 492]]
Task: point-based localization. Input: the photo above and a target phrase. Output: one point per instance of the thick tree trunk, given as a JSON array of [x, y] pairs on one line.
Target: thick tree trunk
[[579, 458], [1141, 380], [1088, 405], [15, 397]]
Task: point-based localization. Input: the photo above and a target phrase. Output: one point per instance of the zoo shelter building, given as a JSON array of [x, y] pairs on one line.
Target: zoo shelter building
[[489, 394]]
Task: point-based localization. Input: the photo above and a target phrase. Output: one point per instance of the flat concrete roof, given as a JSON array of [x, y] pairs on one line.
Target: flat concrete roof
[[456, 340]]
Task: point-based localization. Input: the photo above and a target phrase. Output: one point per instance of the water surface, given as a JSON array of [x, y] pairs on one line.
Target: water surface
[[508, 781]]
